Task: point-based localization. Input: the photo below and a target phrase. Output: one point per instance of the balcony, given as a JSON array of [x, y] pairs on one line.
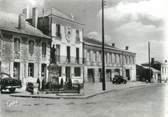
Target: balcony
[[99, 63], [67, 60]]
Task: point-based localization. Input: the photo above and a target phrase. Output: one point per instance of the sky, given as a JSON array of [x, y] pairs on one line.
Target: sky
[[127, 22]]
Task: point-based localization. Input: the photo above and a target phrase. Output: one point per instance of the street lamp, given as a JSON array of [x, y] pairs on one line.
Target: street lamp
[[103, 62]]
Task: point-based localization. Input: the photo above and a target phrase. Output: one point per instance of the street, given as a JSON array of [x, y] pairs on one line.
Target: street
[[146, 101]]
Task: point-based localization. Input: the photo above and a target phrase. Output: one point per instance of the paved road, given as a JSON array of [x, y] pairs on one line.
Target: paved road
[[148, 101]]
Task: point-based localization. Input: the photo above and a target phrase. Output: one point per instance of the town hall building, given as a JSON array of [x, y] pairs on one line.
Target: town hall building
[[67, 41]]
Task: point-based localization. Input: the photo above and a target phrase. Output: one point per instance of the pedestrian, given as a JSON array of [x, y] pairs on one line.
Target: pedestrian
[[43, 84], [38, 82]]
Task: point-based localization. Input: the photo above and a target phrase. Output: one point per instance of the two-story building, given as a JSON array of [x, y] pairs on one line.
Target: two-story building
[[24, 50], [117, 61], [67, 41]]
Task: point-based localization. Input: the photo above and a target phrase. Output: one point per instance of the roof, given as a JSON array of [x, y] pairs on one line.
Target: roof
[[55, 12], [153, 69], [93, 41], [9, 22], [147, 63]]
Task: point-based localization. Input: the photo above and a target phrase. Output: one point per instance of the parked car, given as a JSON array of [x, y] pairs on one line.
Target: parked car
[[7, 82], [119, 80]]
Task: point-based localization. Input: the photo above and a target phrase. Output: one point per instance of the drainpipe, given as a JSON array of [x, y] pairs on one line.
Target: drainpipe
[[83, 62]]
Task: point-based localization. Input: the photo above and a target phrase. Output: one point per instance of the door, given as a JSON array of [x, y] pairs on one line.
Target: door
[[16, 70], [43, 71], [68, 73], [108, 75], [91, 75], [128, 74]]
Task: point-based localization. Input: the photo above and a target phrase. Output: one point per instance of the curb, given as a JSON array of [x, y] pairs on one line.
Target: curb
[[76, 97]]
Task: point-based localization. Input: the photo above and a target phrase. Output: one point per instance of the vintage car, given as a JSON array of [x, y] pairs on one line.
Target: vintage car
[[119, 80], [7, 82]]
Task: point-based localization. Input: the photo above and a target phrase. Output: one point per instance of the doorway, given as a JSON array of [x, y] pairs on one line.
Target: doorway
[[91, 75], [43, 70], [108, 75], [16, 70], [128, 74], [68, 73]]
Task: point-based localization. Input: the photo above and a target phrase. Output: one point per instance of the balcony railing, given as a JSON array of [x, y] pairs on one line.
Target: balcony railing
[[67, 60], [99, 63]]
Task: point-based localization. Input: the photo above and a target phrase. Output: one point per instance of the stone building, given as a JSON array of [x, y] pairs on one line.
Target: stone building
[[24, 50], [117, 61], [67, 38]]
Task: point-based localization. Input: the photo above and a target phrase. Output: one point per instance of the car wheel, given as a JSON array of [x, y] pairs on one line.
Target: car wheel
[[12, 90]]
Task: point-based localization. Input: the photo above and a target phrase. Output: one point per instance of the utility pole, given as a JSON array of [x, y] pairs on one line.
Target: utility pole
[[149, 61], [103, 62]]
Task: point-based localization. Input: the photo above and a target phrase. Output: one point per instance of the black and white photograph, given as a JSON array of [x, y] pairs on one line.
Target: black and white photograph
[[83, 58]]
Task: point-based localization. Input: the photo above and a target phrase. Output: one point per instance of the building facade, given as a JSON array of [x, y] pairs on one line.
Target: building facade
[[117, 62], [66, 47], [164, 72], [24, 50]]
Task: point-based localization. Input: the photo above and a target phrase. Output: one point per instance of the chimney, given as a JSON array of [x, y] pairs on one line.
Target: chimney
[[152, 61], [25, 11], [113, 44], [126, 47], [21, 21], [34, 17]]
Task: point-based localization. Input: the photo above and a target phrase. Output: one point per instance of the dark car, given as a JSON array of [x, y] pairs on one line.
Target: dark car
[[119, 80], [7, 82]]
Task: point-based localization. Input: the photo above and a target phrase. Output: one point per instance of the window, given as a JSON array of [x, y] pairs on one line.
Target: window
[[31, 47], [77, 55], [0, 42], [31, 69], [77, 71], [43, 70], [89, 55], [133, 60], [77, 36], [58, 53], [60, 70], [44, 49], [16, 44], [68, 53], [94, 56], [58, 30]]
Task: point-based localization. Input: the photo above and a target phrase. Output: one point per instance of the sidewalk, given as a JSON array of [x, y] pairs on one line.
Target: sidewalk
[[90, 90]]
